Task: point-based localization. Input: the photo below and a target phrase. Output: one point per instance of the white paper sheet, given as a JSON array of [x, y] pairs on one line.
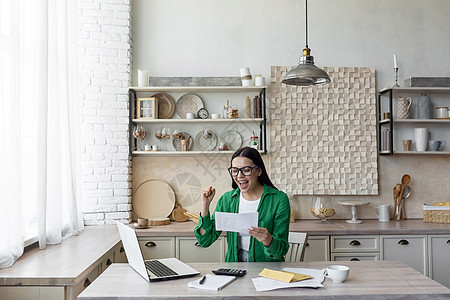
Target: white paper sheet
[[236, 222], [263, 284]]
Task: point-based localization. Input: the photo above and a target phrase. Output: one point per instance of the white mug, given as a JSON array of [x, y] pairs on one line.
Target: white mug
[[147, 147], [337, 273], [421, 137], [215, 116], [190, 116], [155, 147], [382, 212]]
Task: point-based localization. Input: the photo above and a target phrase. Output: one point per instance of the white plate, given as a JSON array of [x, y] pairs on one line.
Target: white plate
[[206, 143], [232, 139], [153, 198], [188, 103]]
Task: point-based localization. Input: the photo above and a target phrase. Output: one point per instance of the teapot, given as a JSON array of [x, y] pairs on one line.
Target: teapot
[[403, 107]]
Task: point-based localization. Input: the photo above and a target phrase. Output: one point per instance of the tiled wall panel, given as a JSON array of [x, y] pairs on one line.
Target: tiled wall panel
[[323, 138]]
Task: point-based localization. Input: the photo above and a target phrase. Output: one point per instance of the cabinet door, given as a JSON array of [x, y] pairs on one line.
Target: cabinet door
[[188, 250], [439, 258], [354, 256], [157, 247], [409, 249], [355, 243], [317, 248]]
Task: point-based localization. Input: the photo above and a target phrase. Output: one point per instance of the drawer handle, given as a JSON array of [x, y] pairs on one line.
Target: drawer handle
[[403, 242], [87, 282], [355, 243], [108, 262], [121, 250], [150, 244], [354, 259], [307, 244], [197, 244], [448, 242]]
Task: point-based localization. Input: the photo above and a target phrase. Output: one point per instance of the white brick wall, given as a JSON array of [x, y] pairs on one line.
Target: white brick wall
[[104, 43]]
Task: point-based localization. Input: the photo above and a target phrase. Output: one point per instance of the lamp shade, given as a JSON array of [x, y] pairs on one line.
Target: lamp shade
[[306, 73]]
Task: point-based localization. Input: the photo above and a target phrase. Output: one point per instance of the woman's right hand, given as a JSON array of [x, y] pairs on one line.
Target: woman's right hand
[[208, 195]]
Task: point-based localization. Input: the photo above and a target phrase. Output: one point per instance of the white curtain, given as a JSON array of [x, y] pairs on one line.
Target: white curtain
[[39, 125]]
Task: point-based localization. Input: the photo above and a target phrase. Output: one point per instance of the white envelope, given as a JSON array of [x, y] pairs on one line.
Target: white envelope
[[236, 222]]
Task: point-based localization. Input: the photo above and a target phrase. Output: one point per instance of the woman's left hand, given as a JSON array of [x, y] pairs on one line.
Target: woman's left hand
[[261, 234]]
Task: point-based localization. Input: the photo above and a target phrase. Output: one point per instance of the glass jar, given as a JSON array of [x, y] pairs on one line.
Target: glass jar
[[322, 207], [232, 112], [254, 142]]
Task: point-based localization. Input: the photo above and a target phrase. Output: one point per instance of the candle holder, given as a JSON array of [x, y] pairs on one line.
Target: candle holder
[[396, 77]]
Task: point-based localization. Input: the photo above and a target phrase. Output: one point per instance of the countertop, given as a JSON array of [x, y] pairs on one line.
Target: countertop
[[367, 280], [313, 227], [65, 263]]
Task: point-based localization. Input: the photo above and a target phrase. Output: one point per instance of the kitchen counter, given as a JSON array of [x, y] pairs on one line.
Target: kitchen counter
[[313, 227], [367, 280]]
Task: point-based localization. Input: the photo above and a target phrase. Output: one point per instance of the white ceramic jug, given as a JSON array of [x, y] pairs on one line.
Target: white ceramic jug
[[403, 106]]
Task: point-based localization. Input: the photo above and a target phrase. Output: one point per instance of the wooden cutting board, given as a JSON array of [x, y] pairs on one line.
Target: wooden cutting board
[[178, 213]]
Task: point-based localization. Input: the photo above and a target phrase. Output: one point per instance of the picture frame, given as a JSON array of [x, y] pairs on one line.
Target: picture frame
[[147, 108]]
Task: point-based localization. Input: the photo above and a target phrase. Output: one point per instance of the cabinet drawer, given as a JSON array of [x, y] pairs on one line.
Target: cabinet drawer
[[157, 247], [107, 261], [354, 256], [317, 248], [119, 254], [409, 249], [439, 262], [188, 250], [355, 243]]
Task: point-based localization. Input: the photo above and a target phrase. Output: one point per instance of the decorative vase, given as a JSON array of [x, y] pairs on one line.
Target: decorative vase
[[424, 107]]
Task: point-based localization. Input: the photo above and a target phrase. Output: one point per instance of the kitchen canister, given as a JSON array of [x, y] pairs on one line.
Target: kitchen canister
[[441, 112], [421, 138], [403, 107], [424, 107]]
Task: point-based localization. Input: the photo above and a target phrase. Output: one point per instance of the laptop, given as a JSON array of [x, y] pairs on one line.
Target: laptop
[[155, 269]]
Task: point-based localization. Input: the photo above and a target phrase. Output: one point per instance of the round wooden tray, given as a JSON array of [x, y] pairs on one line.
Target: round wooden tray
[[153, 199]]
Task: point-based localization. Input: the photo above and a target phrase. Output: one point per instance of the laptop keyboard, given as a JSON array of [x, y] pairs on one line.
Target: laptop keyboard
[[159, 269]]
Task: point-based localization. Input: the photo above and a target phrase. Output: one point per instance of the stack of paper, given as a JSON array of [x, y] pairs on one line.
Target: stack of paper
[[276, 279], [212, 282]]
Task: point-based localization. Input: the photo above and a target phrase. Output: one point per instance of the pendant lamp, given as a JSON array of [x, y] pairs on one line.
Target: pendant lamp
[[306, 73]]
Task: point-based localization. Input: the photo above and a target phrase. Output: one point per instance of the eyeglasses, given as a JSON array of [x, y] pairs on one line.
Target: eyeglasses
[[246, 171]]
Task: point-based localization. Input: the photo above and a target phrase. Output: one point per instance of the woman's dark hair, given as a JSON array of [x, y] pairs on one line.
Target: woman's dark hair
[[253, 154]]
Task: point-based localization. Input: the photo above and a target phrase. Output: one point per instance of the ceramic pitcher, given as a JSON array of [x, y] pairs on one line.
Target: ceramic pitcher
[[403, 107]]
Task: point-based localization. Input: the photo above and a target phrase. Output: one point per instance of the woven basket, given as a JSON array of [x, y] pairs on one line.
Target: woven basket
[[436, 214]]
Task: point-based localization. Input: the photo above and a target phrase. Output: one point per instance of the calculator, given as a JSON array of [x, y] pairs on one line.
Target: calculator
[[230, 272]]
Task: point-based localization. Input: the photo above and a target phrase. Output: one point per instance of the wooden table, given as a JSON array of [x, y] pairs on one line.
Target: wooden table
[[367, 280]]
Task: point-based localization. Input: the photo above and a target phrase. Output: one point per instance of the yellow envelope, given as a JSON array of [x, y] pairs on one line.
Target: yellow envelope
[[283, 275]]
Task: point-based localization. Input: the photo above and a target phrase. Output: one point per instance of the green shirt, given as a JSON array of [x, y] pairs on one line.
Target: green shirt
[[273, 214]]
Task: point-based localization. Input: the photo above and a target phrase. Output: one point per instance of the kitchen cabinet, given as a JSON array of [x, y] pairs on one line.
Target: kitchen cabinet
[[188, 250], [157, 247], [439, 258], [400, 129], [317, 248], [409, 249], [355, 248], [214, 98]]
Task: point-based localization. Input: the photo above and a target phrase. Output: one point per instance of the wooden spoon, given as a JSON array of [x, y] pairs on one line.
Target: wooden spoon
[[406, 179], [395, 194]]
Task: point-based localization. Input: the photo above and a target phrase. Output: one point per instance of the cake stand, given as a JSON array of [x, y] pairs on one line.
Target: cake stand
[[354, 204]]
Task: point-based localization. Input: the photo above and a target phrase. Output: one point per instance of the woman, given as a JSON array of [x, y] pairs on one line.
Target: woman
[[252, 191]]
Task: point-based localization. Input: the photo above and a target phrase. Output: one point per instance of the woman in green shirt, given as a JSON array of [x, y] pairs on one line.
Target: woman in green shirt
[[252, 191]]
